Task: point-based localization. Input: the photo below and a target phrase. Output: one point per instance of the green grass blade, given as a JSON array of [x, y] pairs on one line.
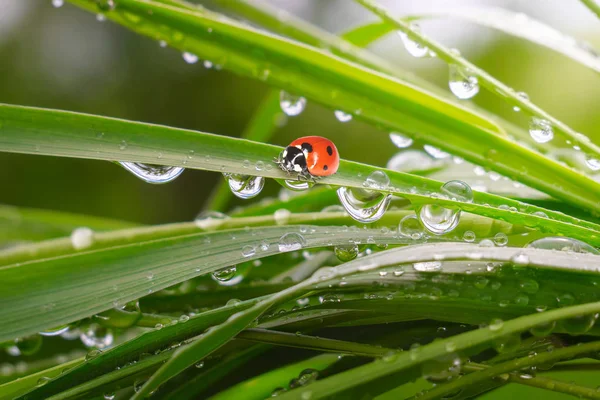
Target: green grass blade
[[61, 133], [340, 84], [593, 6]]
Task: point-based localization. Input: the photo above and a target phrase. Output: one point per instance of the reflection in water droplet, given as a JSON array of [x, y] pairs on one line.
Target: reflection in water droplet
[[462, 84], [364, 205], [500, 239], [428, 266], [210, 219], [55, 331], [410, 227], [82, 238], [245, 186], [563, 244], [541, 130], [469, 236], [592, 163], [291, 242], [96, 336], [437, 219], [435, 152], [523, 96], [342, 116], [190, 58], [291, 105], [346, 252], [297, 185], [457, 191], [155, 174], [400, 140], [414, 48], [227, 276]]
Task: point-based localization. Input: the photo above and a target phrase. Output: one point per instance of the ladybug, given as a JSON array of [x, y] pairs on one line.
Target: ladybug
[[310, 157]]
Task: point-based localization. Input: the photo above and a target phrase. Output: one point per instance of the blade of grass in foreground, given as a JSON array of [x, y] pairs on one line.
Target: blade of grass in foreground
[[67, 134], [340, 84]]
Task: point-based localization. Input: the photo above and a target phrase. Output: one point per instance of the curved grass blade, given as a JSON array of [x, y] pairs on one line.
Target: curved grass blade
[[593, 6], [68, 134], [494, 85], [381, 99], [221, 334]]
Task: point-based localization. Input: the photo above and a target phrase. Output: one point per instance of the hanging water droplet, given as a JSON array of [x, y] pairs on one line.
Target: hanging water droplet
[[377, 180], [427, 266], [435, 152], [364, 205], [579, 324], [58, 3], [437, 219], [469, 236], [26, 346], [227, 276], [342, 116], [541, 130], [346, 252], [291, 242], [442, 369], [208, 220], [291, 105], [523, 96], [496, 325], [155, 174], [400, 140], [207, 64], [500, 239], [414, 48], [563, 244], [55, 331], [544, 329], [462, 83], [248, 251], [410, 227], [109, 396], [592, 163], [297, 185], [82, 238], [244, 186], [190, 58], [96, 336]]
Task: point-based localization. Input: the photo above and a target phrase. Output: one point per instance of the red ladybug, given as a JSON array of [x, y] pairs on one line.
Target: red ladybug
[[309, 157]]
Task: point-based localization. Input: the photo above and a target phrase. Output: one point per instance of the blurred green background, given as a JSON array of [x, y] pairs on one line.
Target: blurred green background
[[64, 58]]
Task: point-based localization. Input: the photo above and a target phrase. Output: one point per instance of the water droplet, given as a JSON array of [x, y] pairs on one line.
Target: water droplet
[[105, 5], [500, 239], [414, 48], [428, 266], [457, 191], [342, 116], [190, 58], [544, 329], [507, 343], [55, 331], [57, 3], [207, 64], [346, 252], [245, 186], [462, 84], [400, 140], [377, 180], [563, 244], [282, 216], [82, 238], [469, 236], [364, 205], [565, 300], [199, 364], [26, 346], [109, 396], [442, 369], [291, 242], [520, 259], [291, 105], [297, 185], [209, 220], [592, 163], [435, 152], [96, 336], [529, 286], [496, 325], [43, 380], [227, 276], [439, 220], [579, 325], [248, 251], [410, 227], [541, 130], [523, 96], [155, 174]]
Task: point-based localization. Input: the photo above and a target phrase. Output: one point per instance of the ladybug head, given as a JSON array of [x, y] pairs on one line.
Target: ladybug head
[[293, 159]]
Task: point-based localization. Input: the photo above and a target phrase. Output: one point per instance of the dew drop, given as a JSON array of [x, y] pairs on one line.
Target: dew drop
[[377, 180], [57, 3], [507, 343], [346, 252], [435, 152], [207, 64], [442, 369], [96, 336], [364, 205], [563, 244], [291, 241], [541, 130], [248, 251], [400, 140], [469, 236], [496, 325], [82, 238], [414, 48], [457, 191], [500, 239], [190, 58], [209, 220], [428, 266], [297, 185], [43, 380], [437, 219], [227, 276], [108, 396], [155, 174], [544, 329], [342, 116], [523, 96], [462, 84], [529, 286], [291, 105], [579, 325], [245, 186], [520, 259], [55, 331], [410, 227]]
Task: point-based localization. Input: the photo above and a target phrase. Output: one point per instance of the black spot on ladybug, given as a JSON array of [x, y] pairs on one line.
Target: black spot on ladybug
[[307, 146], [325, 167], [329, 151]]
